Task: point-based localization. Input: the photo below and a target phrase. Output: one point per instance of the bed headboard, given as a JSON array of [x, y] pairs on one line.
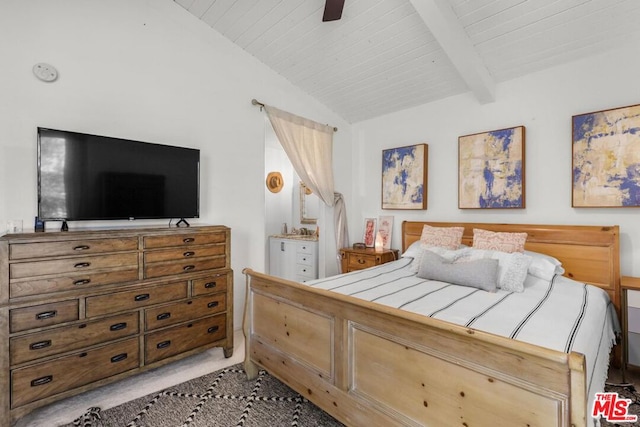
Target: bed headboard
[[589, 254]]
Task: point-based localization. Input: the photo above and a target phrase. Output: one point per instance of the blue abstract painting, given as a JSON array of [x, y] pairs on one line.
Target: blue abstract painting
[[404, 177], [491, 169], [606, 158]]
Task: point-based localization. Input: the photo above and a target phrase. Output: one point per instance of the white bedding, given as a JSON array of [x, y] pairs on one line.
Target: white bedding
[[559, 314]]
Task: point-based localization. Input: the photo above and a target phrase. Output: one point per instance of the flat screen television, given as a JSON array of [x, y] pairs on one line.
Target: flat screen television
[[91, 177]]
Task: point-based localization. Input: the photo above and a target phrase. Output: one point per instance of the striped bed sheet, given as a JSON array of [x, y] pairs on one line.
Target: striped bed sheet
[[560, 314]]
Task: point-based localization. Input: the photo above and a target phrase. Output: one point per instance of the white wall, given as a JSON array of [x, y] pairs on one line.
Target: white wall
[[544, 103], [145, 70]]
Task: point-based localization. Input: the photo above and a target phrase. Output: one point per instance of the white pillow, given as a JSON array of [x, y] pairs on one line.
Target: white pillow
[[544, 266], [512, 267], [413, 250], [447, 254]]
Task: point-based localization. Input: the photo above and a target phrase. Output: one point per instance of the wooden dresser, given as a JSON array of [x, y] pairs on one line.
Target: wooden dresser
[[81, 309]]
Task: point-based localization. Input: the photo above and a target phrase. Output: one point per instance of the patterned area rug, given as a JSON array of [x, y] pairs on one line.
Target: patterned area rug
[[224, 398]]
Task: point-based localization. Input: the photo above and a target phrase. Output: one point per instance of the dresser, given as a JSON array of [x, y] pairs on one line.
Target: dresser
[[293, 258], [631, 319], [81, 309], [359, 259]]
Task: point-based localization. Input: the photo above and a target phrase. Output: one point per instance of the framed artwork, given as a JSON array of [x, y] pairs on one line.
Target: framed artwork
[[491, 169], [404, 177], [385, 229], [606, 158], [369, 235]]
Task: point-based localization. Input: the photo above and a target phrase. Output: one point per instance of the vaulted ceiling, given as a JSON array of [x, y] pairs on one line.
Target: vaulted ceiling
[[383, 56]]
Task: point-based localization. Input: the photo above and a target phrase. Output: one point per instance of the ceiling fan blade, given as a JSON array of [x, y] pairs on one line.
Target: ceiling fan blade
[[332, 10]]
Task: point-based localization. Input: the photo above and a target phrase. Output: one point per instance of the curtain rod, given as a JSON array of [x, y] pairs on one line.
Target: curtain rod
[[256, 102]]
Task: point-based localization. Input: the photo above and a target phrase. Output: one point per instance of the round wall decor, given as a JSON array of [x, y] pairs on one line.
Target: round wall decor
[[274, 182]]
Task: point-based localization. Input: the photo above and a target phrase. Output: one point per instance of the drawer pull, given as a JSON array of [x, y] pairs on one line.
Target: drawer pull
[[41, 381], [118, 326], [164, 344], [83, 355], [213, 329], [82, 282], [141, 297], [188, 267], [210, 285], [213, 304], [188, 240], [188, 254], [40, 345], [46, 314], [163, 316], [81, 248], [119, 358], [82, 265], [361, 261]]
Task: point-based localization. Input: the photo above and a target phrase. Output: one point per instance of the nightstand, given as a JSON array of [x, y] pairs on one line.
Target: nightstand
[[631, 320], [359, 259]]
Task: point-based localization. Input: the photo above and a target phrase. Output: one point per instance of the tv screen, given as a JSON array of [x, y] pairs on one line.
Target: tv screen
[[90, 177]]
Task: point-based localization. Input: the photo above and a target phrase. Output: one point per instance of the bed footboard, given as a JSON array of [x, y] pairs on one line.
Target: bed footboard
[[370, 365]]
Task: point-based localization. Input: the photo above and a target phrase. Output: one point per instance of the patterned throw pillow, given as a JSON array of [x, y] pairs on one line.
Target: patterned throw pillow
[[499, 241], [444, 237], [512, 267]]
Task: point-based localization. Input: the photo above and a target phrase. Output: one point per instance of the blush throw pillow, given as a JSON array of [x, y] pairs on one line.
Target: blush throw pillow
[[499, 241], [444, 237], [481, 273]]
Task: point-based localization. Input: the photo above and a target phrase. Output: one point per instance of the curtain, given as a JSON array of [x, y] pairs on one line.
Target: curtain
[[309, 146]]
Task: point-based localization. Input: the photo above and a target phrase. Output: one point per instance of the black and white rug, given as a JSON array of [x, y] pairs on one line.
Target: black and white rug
[[224, 398]]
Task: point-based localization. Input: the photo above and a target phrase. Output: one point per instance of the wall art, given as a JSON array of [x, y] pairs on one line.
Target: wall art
[[404, 177], [369, 235], [491, 173], [606, 158]]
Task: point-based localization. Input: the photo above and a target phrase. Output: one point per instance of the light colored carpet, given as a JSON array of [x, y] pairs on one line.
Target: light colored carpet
[[109, 396]]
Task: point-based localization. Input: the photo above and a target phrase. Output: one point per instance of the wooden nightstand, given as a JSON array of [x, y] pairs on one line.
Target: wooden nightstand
[[631, 320], [359, 259]]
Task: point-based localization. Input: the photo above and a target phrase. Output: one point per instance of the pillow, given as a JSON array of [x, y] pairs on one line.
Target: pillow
[[499, 241], [448, 254], [413, 250], [544, 266], [481, 273], [445, 237], [512, 267]]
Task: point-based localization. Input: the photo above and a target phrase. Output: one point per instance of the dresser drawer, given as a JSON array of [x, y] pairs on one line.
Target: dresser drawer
[[136, 298], [306, 271], [46, 379], [73, 265], [359, 261], [306, 259], [69, 338], [183, 253], [162, 344], [168, 268], [214, 283], [38, 316], [71, 247], [172, 314], [306, 248], [70, 282], [186, 239]]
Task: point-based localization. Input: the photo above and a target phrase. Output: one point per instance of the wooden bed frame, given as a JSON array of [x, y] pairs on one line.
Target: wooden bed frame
[[371, 365]]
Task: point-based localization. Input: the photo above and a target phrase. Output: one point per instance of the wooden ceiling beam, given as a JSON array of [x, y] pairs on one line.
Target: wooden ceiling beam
[[449, 33]]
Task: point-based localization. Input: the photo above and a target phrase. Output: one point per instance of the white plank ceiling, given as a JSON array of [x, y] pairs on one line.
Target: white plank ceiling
[[388, 55]]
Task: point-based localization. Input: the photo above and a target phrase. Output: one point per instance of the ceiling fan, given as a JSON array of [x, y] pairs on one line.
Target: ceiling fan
[[332, 10]]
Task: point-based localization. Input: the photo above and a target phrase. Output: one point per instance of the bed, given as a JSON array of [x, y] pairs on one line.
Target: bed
[[369, 363]]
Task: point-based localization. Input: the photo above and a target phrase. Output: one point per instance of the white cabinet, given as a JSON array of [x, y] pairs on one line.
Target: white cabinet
[[293, 259]]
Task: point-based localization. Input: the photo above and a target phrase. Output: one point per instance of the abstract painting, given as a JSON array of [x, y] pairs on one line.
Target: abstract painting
[[491, 169], [606, 158], [404, 177]]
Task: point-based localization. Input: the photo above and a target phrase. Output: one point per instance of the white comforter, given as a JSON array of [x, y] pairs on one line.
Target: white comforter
[[559, 314]]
